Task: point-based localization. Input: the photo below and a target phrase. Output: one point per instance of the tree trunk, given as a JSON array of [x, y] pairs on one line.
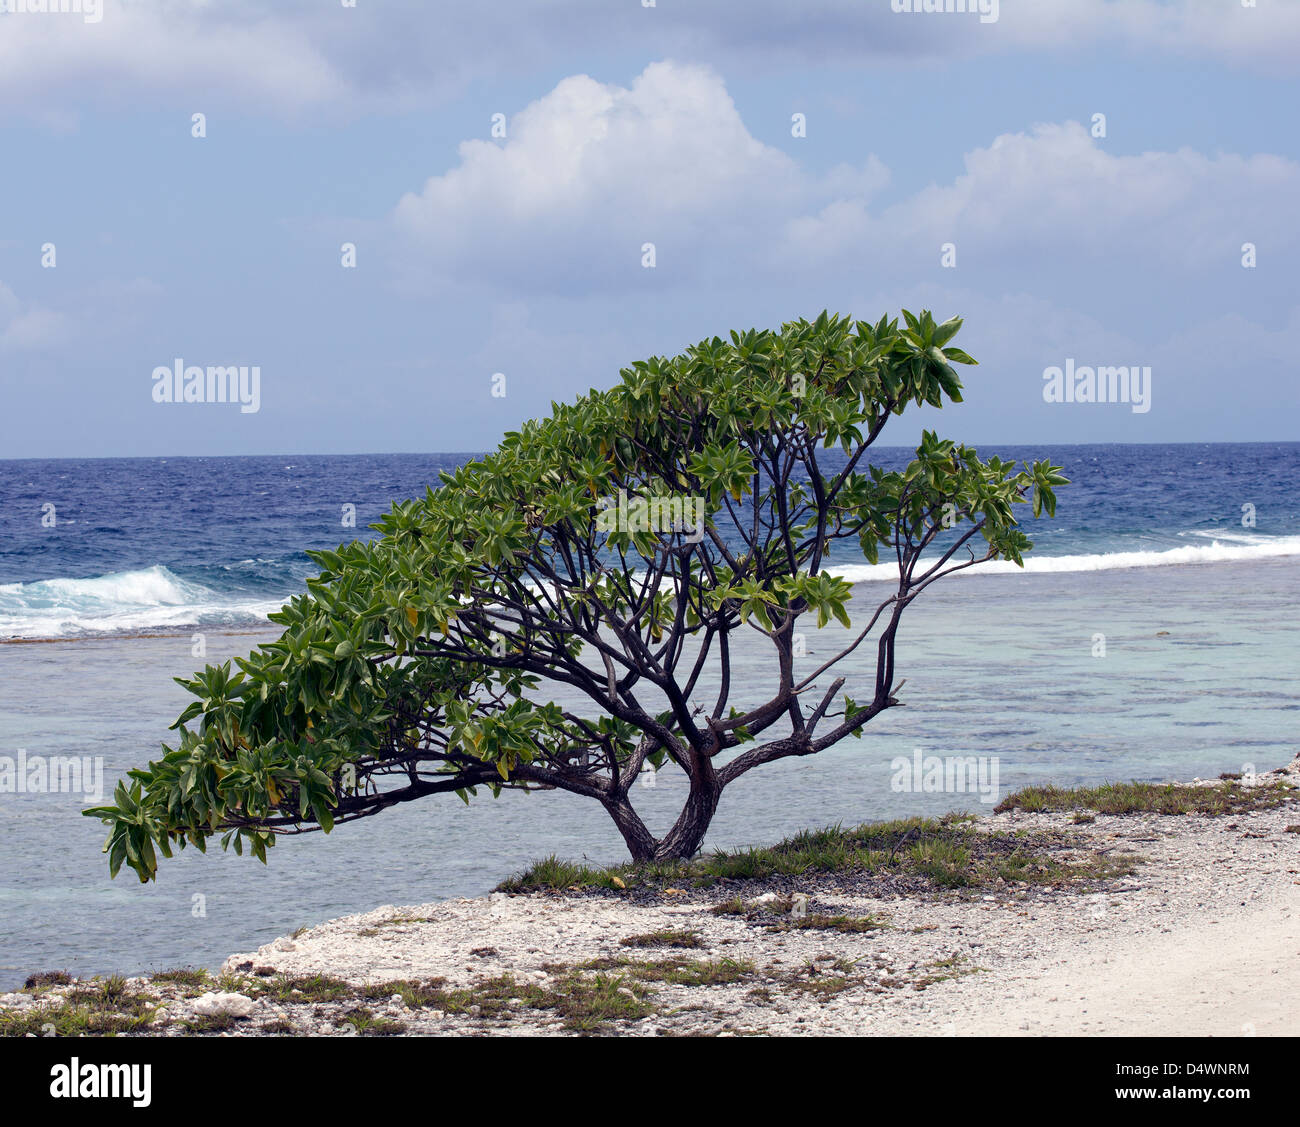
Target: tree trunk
[[640, 842], [683, 840]]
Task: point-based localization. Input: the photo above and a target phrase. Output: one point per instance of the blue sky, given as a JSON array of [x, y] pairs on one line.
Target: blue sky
[[628, 124]]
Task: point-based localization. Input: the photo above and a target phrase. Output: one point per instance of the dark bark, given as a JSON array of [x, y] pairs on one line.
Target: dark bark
[[640, 842], [684, 839], [680, 842]]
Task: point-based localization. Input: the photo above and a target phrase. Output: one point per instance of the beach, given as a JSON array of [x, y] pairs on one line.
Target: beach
[[1195, 931]]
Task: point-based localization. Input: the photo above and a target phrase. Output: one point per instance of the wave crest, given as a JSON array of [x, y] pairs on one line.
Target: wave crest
[[151, 598], [1255, 549]]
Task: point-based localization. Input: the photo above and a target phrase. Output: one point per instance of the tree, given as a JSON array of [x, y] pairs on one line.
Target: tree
[[620, 548]]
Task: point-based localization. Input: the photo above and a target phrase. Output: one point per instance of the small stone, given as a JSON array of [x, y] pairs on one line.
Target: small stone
[[216, 1004]]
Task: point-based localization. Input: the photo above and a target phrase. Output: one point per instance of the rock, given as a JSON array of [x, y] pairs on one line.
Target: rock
[[214, 1005]]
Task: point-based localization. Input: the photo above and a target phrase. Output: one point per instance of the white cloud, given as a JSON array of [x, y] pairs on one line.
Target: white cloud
[[591, 172], [27, 326], [1055, 191], [103, 308], [285, 56], [1265, 35], [181, 48], [37, 328]]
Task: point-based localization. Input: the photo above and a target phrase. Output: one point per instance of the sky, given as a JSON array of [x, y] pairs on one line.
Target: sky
[[540, 193]]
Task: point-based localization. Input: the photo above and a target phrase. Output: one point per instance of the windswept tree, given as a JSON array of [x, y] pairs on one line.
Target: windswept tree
[[620, 554]]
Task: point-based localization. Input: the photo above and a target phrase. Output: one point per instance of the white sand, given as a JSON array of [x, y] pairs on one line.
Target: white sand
[[1203, 940]]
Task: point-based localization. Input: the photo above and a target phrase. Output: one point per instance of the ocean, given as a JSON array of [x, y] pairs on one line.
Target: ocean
[[1151, 636]]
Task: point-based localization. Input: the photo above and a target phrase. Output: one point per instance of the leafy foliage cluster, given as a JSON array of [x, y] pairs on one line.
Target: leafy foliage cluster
[[415, 663]]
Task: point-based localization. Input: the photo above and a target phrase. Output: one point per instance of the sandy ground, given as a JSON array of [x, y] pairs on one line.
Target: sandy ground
[[1202, 939]]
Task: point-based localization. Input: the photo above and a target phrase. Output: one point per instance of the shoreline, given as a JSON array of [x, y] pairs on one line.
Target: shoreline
[[1193, 930]]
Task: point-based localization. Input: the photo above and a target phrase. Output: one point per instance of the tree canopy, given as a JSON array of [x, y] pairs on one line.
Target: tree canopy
[[423, 661]]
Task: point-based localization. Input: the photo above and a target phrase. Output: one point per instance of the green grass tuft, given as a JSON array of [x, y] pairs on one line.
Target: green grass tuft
[[666, 938], [1150, 798]]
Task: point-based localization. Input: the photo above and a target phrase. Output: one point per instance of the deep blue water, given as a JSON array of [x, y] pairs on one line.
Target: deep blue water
[[141, 544]]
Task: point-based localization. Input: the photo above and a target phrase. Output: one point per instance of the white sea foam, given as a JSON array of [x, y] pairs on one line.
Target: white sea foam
[[1241, 548], [154, 598], [121, 602]]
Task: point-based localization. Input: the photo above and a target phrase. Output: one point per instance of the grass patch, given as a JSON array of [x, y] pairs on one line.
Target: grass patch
[[104, 994], [71, 1021], [310, 988], [676, 970], [949, 852], [820, 922], [228, 983], [414, 994], [943, 970], [46, 978], [100, 1008], [821, 983], [585, 1003], [552, 874], [365, 1023], [665, 938], [185, 976], [1150, 798]]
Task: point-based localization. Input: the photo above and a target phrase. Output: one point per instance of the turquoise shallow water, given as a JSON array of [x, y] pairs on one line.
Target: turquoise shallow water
[[996, 666]]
